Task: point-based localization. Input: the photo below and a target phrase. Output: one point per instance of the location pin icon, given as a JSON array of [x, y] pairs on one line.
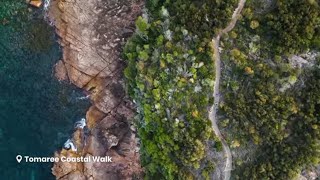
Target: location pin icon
[[19, 158]]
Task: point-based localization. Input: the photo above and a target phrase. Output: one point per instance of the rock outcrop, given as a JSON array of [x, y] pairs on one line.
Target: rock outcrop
[[35, 3], [92, 34]]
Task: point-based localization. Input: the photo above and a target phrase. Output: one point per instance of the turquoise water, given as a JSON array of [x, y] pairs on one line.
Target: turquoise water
[[37, 112]]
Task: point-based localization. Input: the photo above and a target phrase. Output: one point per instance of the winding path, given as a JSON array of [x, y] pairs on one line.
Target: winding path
[[216, 93]]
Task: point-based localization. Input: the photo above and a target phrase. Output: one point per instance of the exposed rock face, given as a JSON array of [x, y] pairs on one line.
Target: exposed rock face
[[92, 34], [61, 71], [35, 3]]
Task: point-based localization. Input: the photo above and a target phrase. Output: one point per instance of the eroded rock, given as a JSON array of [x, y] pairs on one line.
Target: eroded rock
[[61, 71], [92, 35]]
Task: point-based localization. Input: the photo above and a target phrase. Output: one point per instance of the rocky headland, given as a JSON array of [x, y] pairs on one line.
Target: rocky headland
[[92, 34]]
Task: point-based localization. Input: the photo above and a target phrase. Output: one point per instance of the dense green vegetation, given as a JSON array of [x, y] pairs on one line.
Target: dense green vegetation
[[170, 75], [199, 17], [288, 26], [267, 101], [284, 125], [166, 78]]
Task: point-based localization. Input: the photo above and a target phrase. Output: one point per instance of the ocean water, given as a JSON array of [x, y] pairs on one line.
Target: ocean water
[[37, 113]]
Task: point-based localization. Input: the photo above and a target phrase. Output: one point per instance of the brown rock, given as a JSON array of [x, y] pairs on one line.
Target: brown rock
[[61, 169], [61, 71], [36, 3], [94, 147], [94, 115], [91, 34], [61, 6], [76, 175]]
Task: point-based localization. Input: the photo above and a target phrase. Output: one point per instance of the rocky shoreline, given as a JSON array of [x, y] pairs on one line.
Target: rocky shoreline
[[92, 34]]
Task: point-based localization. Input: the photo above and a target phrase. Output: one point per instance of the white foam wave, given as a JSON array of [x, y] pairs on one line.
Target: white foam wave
[[83, 97], [70, 145], [46, 4], [80, 124]]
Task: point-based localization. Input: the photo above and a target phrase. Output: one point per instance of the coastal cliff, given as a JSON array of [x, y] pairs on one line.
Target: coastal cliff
[[92, 33]]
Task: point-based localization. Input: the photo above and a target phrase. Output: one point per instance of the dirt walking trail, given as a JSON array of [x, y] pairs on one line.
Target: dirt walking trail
[[216, 93]]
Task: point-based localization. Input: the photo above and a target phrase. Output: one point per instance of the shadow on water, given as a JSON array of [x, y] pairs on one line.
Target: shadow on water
[[37, 112]]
